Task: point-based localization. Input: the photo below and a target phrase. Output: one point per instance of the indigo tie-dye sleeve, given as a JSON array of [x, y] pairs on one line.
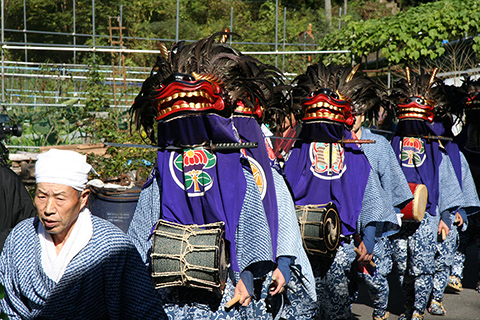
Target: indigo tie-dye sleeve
[[253, 241], [376, 210], [451, 195], [289, 239], [146, 216], [471, 201], [383, 160]]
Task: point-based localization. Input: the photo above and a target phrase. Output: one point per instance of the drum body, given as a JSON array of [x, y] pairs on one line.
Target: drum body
[[415, 209], [189, 255], [320, 227]]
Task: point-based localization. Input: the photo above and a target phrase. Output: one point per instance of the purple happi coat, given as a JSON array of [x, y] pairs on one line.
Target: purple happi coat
[[321, 170], [200, 186], [420, 157]]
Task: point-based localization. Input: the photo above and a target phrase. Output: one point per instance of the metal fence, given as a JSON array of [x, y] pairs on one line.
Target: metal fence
[[32, 75], [55, 85]]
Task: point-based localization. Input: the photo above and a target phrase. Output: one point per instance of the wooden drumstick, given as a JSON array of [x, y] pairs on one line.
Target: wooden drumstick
[[444, 234], [234, 300], [357, 251]]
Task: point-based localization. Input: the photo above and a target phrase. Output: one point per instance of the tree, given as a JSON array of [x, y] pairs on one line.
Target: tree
[[328, 12], [408, 36]]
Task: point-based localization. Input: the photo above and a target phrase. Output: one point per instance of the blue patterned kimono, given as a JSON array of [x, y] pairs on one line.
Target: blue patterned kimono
[[414, 252], [397, 193], [252, 242], [416, 255], [106, 280], [454, 193], [301, 287], [466, 239], [469, 145]]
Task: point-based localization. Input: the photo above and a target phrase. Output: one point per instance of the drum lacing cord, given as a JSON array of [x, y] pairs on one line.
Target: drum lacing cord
[[189, 248], [303, 221], [186, 232]]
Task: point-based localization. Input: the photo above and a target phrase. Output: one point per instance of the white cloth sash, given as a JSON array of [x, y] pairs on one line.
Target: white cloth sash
[[55, 265]]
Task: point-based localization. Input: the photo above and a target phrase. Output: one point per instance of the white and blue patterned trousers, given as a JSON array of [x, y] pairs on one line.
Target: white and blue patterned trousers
[[298, 304], [377, 283], [414, 258], [333, 296], [467, 237], [443, 262]]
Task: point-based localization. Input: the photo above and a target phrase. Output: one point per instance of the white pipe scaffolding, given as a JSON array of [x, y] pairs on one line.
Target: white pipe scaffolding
[[95, 49], [59, 105], [296, 52], [77, 73], [24, 75]]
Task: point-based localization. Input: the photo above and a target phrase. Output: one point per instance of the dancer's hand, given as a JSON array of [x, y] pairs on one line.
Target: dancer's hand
[[458, 220], [278, 282], [443, 229], [241, 290], [364, 256]]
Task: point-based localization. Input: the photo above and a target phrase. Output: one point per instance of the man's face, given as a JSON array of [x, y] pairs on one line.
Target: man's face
[[58, 207], [358, 122]]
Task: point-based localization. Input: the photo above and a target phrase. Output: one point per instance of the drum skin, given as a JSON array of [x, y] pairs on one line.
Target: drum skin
[[415, 209], [189, 255], [320, 227]]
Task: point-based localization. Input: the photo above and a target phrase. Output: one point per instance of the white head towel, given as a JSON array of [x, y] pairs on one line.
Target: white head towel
[[63, 167]]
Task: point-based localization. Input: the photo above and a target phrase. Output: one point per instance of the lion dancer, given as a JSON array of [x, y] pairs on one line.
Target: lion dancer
[[325, 166], [468, 142], [296, 290], [397, 194], [195, 181], [424, 160], [464, 197]]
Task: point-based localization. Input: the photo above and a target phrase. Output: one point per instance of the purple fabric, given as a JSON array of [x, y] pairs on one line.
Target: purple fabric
[[323, 131], [422, 167], [314, 182], [250, 131], [215, 184]]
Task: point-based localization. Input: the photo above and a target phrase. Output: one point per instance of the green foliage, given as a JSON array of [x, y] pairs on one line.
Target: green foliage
[[368, 9], [97, 90], [476, 45], [119, 160], [408, 36], [93, 123], [254, 21], [2, 295]]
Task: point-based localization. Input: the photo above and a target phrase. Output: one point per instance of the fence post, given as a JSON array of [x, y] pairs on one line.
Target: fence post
[[3, 53], [276, 33]]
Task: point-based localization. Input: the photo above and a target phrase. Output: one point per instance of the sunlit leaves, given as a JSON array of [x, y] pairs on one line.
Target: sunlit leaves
[[411, 35]]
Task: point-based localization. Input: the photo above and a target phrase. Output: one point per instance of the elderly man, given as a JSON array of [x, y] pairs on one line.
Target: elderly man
[[67, 263]]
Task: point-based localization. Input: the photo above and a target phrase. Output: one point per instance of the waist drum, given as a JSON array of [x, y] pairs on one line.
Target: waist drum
[[415, 209], [320, 227], [189, 255]]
